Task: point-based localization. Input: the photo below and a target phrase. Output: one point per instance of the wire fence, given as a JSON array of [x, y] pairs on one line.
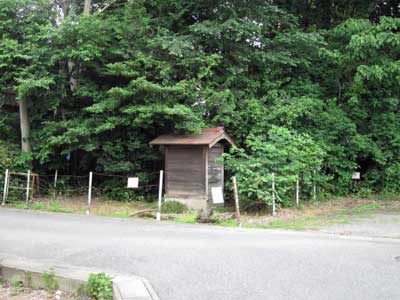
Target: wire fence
[[85, 190], [79, 190]]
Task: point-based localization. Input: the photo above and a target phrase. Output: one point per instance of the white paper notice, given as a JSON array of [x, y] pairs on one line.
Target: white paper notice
[[133, 182], [217, 195]]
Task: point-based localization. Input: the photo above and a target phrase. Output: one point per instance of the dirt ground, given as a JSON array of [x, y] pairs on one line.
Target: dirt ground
[[344, 216], [9, 293], [328, 207], [100, 207]]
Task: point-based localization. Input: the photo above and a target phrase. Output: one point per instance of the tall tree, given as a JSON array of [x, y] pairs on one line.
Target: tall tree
[[21, 23]]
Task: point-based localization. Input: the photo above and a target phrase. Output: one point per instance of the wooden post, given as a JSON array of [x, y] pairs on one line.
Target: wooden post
[[33, 185], [89, 193], [160, 187], [28, 180], [55, 178], [8, 184], [273, 195], [235, 193], [297, 193], [55, 182], [5, 188]]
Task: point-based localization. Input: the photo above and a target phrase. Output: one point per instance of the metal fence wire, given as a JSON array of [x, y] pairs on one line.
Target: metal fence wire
[[82, 190]]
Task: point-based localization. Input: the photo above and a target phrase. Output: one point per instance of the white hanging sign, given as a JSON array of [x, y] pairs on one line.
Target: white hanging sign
[[133, 182], [217, 195], [356, 176]]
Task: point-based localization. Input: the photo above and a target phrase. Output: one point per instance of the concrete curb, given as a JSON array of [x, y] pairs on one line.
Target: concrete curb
[[71, 279]]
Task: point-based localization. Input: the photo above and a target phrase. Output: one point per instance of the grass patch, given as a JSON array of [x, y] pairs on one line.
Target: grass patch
[[52, 206], [20, 206], [228, 223], [37, 206], [303, 223], [367, 208], [114, 214], [115, 209], [187, 218], [55, 206]]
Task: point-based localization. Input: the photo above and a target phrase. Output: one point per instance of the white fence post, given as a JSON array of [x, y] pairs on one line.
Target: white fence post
[[55, 182], [297, 192], [314, 187], [160, 187], [89, 193], [28, 181], [273, 195], [5, 188]]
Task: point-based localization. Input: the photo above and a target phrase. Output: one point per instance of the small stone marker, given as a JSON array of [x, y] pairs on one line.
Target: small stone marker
[[356, 176], [217, 195], [133, 182]]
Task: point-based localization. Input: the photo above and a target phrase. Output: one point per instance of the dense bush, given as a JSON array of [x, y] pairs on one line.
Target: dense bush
[[289, 155]]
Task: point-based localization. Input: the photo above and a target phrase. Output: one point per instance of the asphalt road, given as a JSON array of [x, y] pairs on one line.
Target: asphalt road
[[185, 262]]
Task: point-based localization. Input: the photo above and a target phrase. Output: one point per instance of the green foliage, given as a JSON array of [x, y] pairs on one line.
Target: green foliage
[[289, 155], [173, 207], [16, 285], [100, 286], [50, 281]]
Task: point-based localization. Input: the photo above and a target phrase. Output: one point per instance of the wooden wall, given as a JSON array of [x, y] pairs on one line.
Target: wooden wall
[[185, 170], [215, 169]]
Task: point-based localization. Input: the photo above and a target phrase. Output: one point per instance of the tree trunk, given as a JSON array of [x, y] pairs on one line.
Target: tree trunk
[[87, 7], [25, 126], [73, 82]]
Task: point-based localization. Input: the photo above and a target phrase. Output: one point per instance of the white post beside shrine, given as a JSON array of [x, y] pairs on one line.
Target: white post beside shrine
[[314, 186], [160, 187], [273, 195], [89, 193], [5, 188], [28, 181], [55, 182]]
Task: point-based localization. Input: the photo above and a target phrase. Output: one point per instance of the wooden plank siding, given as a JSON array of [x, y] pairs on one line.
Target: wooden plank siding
[[185, 168], [215, 169], [166, 170]]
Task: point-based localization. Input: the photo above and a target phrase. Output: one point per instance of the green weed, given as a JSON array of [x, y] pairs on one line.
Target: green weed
[[50, 281], [228, 223], [100, 286], [16, 285], [189, 219]]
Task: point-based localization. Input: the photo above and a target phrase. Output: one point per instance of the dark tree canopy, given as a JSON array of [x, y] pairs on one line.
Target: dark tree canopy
[[304, 87]]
